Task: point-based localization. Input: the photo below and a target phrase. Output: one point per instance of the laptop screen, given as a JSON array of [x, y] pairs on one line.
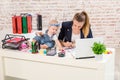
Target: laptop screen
[[84, 47]]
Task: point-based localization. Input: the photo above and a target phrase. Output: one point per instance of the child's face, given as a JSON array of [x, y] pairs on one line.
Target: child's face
[[53, 29]]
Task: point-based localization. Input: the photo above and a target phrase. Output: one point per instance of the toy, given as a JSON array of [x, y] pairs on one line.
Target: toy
[[14, 42], [23, 45], [108, 52], [43, 51], [61, 54], [34, 47], [51, 52]]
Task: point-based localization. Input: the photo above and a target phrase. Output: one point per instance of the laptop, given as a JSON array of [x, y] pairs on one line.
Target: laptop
[[83, 48]]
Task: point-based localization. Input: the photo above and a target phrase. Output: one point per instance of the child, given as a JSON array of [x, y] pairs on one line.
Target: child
[[49, 39]]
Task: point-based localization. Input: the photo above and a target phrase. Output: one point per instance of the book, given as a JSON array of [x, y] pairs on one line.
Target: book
[[29, 23], [24, 24], [14, 24], [39, 22], [19, 24]]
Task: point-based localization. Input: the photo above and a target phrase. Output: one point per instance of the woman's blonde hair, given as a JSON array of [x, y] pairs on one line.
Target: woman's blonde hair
[[80, 18]]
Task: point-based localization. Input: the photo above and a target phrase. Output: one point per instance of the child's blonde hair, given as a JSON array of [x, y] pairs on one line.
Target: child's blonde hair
[[54, 23]]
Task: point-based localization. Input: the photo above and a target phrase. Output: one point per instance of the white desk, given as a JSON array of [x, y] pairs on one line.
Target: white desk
[[40, 67]]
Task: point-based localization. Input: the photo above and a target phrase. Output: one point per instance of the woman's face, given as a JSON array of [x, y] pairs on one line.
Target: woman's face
[[77, 25]]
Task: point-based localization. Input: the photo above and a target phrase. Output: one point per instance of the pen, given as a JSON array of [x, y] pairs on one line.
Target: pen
[[86, 57]]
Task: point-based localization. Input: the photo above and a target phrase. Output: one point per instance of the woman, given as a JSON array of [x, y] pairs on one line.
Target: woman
[[78, 28]]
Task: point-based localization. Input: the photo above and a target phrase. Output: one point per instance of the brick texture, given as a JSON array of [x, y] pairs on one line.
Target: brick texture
[[104, 14]]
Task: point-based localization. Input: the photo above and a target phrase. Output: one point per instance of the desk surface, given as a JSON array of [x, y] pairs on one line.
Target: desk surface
[[90, 63]]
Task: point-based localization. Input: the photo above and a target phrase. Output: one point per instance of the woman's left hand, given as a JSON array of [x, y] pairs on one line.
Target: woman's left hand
[[73, 44]]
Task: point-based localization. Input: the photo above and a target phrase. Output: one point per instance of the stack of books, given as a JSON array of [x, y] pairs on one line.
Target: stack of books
[[22, 24]]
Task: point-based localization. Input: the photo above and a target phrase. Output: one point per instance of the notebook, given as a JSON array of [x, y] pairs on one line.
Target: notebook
[[83, 48]]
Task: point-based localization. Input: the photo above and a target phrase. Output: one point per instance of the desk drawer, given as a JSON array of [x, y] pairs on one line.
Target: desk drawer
[[45, 71]]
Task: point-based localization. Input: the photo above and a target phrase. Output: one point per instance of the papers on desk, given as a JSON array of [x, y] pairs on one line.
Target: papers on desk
[[70, 52]]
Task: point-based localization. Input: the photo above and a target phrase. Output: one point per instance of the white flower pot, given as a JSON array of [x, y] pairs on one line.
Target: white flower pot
[[98, 57]]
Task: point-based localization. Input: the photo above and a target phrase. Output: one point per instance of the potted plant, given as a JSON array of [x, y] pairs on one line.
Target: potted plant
[[98, 49]]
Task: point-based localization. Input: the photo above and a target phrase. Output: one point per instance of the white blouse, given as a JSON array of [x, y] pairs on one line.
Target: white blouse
[[74, 37]]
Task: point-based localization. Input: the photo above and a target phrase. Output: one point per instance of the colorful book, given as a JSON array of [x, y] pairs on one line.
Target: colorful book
[[39, 22], [29, 23], [14, 24], [19, 24], [24, 24]]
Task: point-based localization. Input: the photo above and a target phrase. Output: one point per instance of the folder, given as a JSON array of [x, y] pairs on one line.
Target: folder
[[29, 23], [24, 24], [14, 24], [19, 24], [39, 22]]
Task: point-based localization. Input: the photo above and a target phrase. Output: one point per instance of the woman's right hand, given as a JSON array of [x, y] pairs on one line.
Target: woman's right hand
[[68, 44]]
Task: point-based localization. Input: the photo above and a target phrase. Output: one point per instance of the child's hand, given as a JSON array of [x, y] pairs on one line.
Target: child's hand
[[39, 33], [44, 46]]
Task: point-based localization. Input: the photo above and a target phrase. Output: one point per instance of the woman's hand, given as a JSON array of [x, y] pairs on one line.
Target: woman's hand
[[73, 44], [68, 44]]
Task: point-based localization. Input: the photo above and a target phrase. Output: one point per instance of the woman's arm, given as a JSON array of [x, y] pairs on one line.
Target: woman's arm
[[62, 33], [63, 37], [67, 44], [59, 45]]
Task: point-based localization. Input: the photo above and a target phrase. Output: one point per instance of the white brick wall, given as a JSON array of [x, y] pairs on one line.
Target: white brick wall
[[104, 14]]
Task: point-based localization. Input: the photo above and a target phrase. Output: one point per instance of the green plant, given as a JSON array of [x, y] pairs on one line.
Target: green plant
[[98, 48]]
